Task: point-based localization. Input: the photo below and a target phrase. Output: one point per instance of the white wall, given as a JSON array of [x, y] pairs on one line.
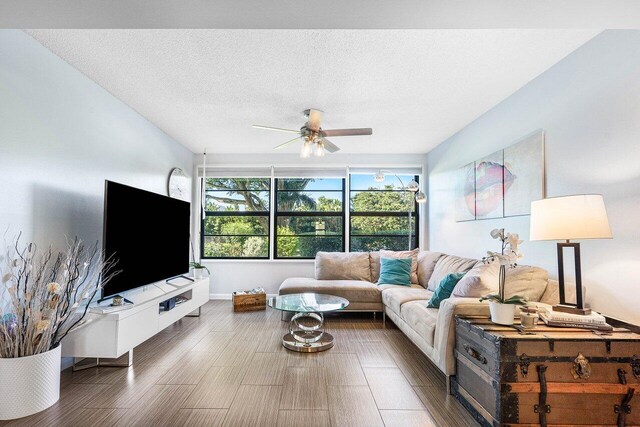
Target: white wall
[[234, 275], [61, 136], [589, 106]]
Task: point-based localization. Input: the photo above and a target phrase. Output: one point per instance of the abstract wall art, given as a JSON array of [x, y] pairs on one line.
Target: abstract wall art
[[504, 183], [466, 193], [489, 186], [524, 169]]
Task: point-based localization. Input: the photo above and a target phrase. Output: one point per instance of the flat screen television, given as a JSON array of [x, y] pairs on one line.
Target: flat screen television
[[147, 234]]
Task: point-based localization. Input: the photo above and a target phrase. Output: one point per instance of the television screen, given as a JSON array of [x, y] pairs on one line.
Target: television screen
[[147, 233]]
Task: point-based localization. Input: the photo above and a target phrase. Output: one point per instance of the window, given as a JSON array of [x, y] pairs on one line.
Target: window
[[236, 222], [379, 213], [309, 216]]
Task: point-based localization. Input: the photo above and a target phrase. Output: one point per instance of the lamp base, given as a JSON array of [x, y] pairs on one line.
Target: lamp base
[[572, 309]]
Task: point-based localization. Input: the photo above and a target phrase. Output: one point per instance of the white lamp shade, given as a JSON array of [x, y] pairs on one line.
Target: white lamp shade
[[569, 218]]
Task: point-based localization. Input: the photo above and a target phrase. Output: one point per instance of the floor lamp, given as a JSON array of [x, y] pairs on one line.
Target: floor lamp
[[570, 218], [411, 188]]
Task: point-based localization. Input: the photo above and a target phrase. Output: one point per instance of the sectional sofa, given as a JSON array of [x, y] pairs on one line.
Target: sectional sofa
[[354, 276]]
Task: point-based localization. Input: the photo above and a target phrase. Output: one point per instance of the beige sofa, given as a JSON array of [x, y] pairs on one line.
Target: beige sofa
[[354, 276]]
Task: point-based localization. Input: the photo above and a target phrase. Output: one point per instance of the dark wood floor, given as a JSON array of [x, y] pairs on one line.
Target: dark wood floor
[[229, 369]]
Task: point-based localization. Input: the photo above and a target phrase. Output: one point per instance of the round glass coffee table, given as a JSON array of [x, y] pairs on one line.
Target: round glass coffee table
[[306, 333]]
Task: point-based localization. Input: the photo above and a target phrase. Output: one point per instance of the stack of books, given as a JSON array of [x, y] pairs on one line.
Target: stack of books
[[593, 321]]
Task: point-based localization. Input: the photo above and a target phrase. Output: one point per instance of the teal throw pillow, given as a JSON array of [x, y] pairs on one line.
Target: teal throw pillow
[[395, 271], [444, 289]]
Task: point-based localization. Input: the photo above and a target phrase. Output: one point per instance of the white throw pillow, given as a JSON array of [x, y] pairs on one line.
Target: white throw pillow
[[526, 281], [481, 280], [426, 264], [449, 264], [405, 254]]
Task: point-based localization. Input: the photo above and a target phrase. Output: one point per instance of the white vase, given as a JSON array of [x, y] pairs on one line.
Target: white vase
[[29, 384], [502, 314], [197, 273]]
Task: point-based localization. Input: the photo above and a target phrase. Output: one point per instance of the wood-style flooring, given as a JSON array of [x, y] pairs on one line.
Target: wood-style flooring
[[230, 369]]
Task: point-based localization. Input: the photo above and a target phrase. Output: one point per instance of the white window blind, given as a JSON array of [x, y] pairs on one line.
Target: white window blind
[[404, 170], [235, 172], [313, 172]]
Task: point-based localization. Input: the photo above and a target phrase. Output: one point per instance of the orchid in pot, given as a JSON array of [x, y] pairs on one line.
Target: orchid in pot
[[44, 295], [502, 308]]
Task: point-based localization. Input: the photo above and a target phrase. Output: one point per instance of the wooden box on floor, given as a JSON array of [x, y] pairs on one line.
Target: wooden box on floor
[[548, 377], [249, 302]]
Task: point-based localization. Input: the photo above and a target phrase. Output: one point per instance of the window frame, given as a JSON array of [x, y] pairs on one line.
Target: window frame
[[415, 215], [265, 214], [335, 214]]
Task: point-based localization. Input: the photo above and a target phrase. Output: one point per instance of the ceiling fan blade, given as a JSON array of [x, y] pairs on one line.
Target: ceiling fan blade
[[330, 146], [284, 144], [315, 117], [347, 132], [276, 129]]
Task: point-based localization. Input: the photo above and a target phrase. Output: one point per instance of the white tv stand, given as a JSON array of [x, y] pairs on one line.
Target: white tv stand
[[111, 335]]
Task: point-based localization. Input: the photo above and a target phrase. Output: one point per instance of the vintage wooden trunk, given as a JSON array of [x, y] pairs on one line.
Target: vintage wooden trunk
[[249, 302], [548, 377]]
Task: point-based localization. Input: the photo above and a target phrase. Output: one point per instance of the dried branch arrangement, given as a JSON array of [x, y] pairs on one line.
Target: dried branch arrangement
[[44, 294]]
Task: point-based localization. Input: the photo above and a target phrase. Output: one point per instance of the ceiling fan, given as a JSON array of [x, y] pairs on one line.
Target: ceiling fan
[[314, 136]]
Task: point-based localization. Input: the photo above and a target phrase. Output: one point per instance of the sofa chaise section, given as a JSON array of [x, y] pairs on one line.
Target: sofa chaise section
[[362, 295]]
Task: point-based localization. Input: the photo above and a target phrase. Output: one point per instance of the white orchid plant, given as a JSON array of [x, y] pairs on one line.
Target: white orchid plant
[[45, 294], [507, 257]]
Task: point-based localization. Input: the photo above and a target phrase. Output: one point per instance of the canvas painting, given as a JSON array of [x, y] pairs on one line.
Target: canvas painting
[[523, 174], [466, 193], [489, 186]]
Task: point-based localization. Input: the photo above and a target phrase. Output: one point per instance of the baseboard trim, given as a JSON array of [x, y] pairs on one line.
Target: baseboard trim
[[227, 297], [66, 362]]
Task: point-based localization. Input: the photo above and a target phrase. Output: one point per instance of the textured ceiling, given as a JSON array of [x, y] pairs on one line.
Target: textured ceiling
[[415, 88], [325, 14]]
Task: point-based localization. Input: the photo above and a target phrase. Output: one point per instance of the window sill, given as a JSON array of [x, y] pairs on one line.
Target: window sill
[[259, 261]]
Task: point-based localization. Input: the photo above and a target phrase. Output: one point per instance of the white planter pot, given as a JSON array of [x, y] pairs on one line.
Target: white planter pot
[[502, 314], [29, 384], [197, 273]]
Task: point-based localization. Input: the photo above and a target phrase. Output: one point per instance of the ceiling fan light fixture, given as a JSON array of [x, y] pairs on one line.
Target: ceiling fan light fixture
[[306, 151], [312, 132]]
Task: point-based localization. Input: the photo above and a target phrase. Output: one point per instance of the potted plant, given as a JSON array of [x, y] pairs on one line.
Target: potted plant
[[197, 266], [503, 309], [43, 296], [198, 269]]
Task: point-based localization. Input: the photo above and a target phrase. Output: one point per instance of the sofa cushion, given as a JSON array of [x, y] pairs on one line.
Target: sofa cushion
[[343, 266], [385, 287], [374, 262], [449, 264], [393, 298], [395, 271], [405, 254], [356, 291], [526, 281], [551, 294], [483, 279], [444, 289], [421, 319], [426, 263]]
